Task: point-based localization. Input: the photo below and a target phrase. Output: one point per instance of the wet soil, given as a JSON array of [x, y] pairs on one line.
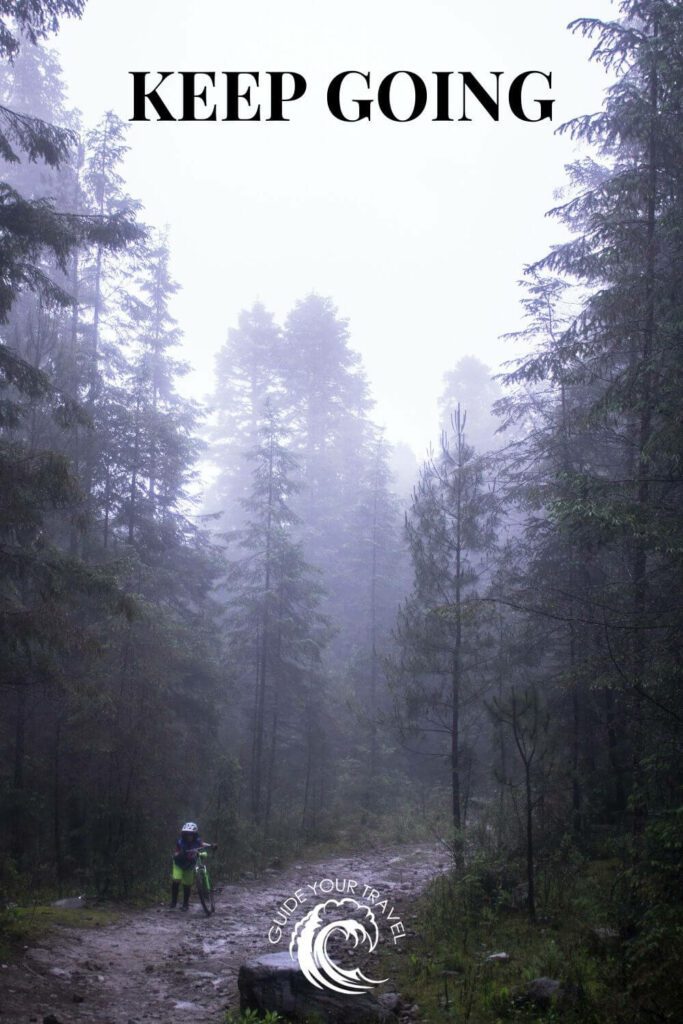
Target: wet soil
[[161, 965]]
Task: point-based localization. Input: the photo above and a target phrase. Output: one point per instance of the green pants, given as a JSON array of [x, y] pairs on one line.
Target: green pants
[[186, 875]]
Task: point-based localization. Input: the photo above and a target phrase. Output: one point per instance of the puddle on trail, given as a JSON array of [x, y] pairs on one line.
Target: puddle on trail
[[156, 965]]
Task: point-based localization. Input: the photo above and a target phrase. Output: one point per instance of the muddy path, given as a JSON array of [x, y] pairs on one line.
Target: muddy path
[[160, 965]]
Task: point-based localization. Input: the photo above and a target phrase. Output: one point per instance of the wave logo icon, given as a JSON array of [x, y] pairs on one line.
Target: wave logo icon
[[310, 938]]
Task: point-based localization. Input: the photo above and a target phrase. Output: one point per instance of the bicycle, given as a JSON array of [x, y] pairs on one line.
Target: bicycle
[[203, 883]]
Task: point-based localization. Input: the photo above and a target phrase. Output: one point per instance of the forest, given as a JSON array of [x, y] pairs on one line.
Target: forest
[[256, 612]]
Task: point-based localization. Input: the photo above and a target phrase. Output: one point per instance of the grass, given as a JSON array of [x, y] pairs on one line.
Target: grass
[[460, 922], [252, 1017], [25, 926]]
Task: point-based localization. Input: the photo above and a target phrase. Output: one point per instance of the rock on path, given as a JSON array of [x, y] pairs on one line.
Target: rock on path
[[160, 966]]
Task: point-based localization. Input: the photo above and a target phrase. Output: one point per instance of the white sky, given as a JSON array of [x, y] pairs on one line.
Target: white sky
[[418, 231]]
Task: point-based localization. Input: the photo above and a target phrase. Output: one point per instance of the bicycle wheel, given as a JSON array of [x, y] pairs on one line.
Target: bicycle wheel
[[205, 892]]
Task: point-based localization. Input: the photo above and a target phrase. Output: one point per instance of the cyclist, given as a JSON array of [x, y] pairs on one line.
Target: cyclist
[[187, 847]]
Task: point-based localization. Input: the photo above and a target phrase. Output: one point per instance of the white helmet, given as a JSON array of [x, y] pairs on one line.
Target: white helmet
[[190, 826]]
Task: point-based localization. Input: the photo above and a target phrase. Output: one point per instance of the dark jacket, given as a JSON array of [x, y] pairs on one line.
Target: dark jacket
[[186, 851]]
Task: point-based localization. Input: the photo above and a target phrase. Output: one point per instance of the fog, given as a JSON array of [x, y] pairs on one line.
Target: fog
[[418, 231], [250, 636]]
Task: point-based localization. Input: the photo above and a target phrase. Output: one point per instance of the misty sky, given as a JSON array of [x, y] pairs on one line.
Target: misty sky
[[418, 231]]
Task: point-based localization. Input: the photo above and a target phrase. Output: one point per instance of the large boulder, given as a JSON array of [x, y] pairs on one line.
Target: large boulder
[[274, 982], [542, 991]]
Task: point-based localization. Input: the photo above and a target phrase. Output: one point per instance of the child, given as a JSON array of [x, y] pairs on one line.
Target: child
[[187, 847]]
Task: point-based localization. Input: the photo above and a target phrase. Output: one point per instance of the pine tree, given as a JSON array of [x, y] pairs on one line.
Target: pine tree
[[471, 385], [41, 587], [618, 368], [35, 21], [161, 448], [276, 631], [248, 376], [600, 395], [327, 407], [381, 578], [451, 531], [126, 686]]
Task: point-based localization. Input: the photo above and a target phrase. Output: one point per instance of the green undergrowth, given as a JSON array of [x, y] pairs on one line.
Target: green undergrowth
[[366, 832], [462, 920], [26, 926], [373, 833], [252, 1017]]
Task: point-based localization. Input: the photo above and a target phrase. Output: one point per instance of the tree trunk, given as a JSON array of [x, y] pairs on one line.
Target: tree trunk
[[531, 900], [57, 804], [17, 823]]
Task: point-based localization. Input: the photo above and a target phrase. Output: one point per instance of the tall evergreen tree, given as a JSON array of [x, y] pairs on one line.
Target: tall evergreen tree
[[276, 630], [600, 395], [617, 366], [327, 409], [471, 384], [451, 532], [381, 575], [248, 377], [41, 586], [122, 695]]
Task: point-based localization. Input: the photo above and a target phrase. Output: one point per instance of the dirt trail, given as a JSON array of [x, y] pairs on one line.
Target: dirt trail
[[160, 965]]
